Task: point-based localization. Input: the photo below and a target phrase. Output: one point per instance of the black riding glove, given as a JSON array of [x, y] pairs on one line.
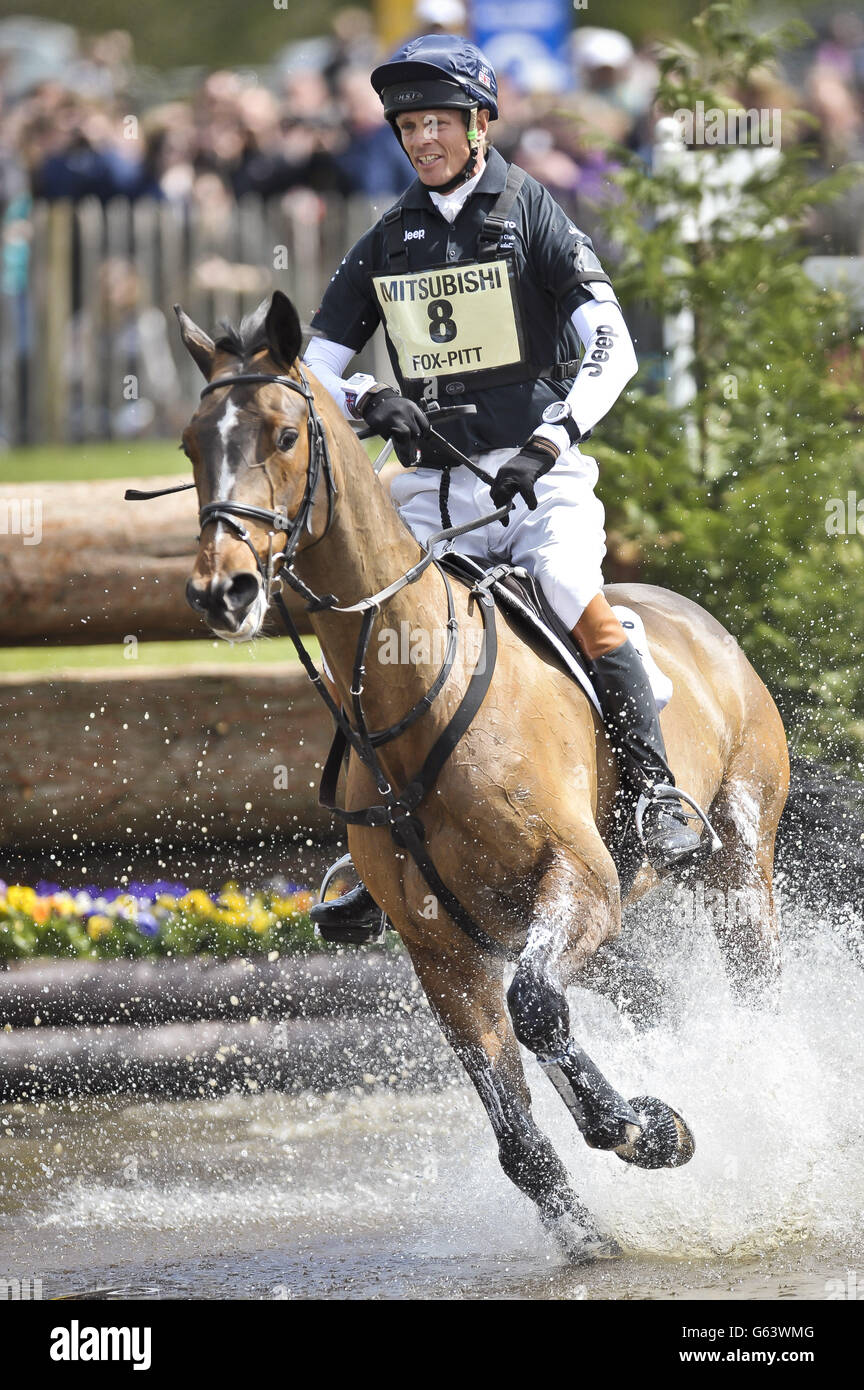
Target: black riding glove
[[521, 472], [395, 417]]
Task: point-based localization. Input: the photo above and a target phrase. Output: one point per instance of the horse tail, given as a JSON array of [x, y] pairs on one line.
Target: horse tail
[[820, 839]]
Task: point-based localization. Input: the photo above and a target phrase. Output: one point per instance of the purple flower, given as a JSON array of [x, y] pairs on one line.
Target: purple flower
[[147, 924], [44, 890]]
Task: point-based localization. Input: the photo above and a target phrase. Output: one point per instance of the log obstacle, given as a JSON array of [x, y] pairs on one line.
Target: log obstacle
[[48, 993], [125, 1027], [190, 756], [207, 1059], [101, 569]]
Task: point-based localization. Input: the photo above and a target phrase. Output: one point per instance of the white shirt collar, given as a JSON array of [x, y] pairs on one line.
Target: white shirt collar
[[451, 204]]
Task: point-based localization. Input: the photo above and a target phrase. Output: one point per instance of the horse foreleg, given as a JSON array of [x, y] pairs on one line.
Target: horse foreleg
[[572, 918], [466, 993]]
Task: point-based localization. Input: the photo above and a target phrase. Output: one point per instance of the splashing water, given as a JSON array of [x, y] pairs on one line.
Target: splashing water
[[340, 1194]]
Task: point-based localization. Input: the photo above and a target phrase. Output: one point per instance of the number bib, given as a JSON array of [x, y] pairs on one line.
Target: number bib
[[452, 320]]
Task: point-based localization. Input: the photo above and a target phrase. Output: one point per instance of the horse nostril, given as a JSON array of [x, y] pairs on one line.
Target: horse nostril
[[239, 591], [196, 596]]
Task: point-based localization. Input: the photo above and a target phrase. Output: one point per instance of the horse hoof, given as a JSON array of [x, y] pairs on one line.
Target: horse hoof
[[665, 1140], [580, 1241]]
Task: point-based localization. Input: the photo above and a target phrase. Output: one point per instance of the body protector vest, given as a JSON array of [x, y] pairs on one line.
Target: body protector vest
[[461, 320]]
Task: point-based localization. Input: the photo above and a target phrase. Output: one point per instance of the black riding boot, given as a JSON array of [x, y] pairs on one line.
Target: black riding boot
[[630, 715], [354, 919]]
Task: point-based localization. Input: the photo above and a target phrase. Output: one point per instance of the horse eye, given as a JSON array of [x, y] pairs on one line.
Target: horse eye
[[287, 439]]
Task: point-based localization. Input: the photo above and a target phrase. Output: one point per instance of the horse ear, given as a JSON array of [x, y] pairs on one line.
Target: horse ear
[[282, 326], [200, 348]]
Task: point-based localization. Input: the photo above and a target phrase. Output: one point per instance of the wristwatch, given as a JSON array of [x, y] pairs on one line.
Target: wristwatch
[[356, 388], [561, 413]]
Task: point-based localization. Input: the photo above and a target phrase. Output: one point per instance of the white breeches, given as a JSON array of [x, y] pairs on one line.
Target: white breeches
[[562, 543]]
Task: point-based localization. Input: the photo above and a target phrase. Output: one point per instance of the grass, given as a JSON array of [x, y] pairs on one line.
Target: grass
[[134, 458], [46, 661], [125, 459], [57, 463]]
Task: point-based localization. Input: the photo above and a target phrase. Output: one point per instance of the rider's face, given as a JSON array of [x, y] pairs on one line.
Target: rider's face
[[436, 142]]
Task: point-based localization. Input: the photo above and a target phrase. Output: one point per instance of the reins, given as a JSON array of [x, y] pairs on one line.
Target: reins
[[395, 811]]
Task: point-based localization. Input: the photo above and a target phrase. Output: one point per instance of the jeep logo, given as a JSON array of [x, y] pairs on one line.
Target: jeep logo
[[408, 96]]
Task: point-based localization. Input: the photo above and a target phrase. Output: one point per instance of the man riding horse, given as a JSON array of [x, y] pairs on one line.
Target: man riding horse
[[486, 289]]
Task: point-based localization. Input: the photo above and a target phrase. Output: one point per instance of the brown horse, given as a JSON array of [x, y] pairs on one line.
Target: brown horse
[[519, 820]]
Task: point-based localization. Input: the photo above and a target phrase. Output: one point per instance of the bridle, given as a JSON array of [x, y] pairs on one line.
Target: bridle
[[318, 463], [227, 510]]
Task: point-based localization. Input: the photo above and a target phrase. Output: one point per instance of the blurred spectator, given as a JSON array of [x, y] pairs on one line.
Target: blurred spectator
[[125, 330], [371, 160], [82, 153], [609, 70], [440, 16]]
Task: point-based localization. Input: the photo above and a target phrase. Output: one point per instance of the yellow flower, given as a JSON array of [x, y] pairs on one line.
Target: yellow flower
[[166, 900], [230, 917], [20, 898], [98, 925], [127, 905], [63, 904], [198, 901], [291, 906], [260, 920], [231, 897]]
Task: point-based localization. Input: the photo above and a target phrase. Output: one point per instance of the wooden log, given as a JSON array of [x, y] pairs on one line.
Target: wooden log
[[101, 569], [49, 993], [183, 755], [208, 1059]]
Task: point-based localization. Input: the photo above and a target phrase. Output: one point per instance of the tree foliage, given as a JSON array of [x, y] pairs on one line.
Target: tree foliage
[[728, 498]]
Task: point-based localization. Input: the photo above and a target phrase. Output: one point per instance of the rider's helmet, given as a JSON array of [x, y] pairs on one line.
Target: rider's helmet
[[439, 72]]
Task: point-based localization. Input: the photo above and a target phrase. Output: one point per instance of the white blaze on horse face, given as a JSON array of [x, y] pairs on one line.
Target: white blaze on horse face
[[224, 479]]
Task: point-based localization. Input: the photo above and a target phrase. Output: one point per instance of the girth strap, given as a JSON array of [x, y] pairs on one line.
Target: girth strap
[[397, 812]]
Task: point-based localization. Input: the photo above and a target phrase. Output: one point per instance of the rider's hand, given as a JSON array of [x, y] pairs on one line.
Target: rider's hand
[[520, 473], [395, 417]]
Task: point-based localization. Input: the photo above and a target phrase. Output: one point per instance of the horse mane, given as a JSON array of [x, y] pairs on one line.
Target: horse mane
[[249, 338]]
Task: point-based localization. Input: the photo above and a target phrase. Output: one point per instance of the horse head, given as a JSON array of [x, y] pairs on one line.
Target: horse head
[[256, 445]]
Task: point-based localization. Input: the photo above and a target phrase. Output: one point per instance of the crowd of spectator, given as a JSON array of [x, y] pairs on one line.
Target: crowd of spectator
[[78, 121], [312, 121]]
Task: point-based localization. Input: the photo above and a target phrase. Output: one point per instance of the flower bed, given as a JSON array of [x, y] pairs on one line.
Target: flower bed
[[155, 919]]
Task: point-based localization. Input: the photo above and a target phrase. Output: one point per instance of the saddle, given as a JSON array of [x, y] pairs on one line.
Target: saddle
[[525, 603]]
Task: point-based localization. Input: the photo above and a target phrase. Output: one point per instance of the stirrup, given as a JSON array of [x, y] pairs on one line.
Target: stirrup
[[346, 933], [346, 862], [665, 792]]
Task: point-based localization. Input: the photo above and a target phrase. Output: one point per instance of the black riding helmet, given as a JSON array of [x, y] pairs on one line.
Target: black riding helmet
[[439, 72]]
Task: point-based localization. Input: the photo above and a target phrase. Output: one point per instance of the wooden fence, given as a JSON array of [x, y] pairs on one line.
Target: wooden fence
[[90, 350]]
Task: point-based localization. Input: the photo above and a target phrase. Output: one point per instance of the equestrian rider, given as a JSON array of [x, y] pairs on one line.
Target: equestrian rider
[[485, 289]]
